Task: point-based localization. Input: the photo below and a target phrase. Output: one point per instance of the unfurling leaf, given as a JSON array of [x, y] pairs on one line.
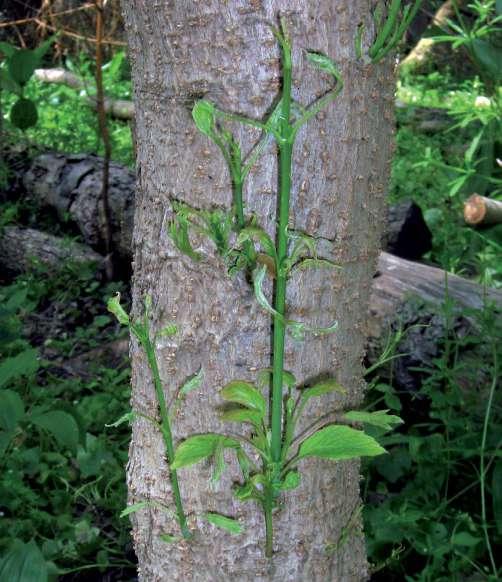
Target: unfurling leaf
[[324, 63], [195, 448], [321, 388], [114, 307], [203, 115], [339, 442], [226, 523], [192, 383], [378, 418], [244, 393], [255, 233], [128, 417]]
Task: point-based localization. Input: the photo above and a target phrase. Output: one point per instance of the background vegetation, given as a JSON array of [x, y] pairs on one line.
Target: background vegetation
[[433, 506]]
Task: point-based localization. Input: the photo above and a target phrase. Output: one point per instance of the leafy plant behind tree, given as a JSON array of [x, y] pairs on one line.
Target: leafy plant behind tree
[[17, 69]]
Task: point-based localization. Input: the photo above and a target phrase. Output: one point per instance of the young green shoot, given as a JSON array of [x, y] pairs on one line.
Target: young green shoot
[[273, 421]]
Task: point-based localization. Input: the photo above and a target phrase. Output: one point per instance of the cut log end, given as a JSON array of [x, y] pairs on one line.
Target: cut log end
[[479, 210]]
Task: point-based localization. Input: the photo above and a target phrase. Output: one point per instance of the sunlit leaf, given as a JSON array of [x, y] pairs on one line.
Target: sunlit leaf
[[291, 481], [192, 383], [203, 115], [244, 393], [339, 442], [113, 305], [321, 388], [223, 522], [198, 447]]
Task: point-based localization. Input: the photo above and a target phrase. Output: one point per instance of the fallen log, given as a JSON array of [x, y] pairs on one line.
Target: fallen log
[[482, 211], [71, 184], [411, 296], [119, 108], [21, 248]]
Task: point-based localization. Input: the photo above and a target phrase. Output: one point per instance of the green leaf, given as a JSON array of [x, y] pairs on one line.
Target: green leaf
[[339, 442], [24, 563], [133, 508], [61, 425], [178, 231], [321, 388], [497, 495], [114, 307], [489, 56], [203, 115], [226, 523], [11, 409], [244, 393], [42, 49], [291, 481], [324, 63], [378, 418], [24, 114], [252, 233], [192, 383], [198, 447], [264, 378], [24, 364], [22, 65], [7, 49], [254, 417], [498, 7]]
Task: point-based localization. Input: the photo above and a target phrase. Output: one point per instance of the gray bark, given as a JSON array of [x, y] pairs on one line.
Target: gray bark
[[225, 51], [20, 248]]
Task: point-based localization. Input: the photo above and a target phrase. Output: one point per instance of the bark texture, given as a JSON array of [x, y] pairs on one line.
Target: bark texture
[[21, 247], [225, 52]]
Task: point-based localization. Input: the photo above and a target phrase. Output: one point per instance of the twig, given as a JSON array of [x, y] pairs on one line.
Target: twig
[[105, 136]]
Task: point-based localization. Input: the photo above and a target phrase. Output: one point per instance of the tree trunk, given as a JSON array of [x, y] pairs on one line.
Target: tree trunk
[[226, 53]]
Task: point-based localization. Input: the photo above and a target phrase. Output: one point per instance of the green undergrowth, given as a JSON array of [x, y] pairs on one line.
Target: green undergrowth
[[433, 507], [62, 483]]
